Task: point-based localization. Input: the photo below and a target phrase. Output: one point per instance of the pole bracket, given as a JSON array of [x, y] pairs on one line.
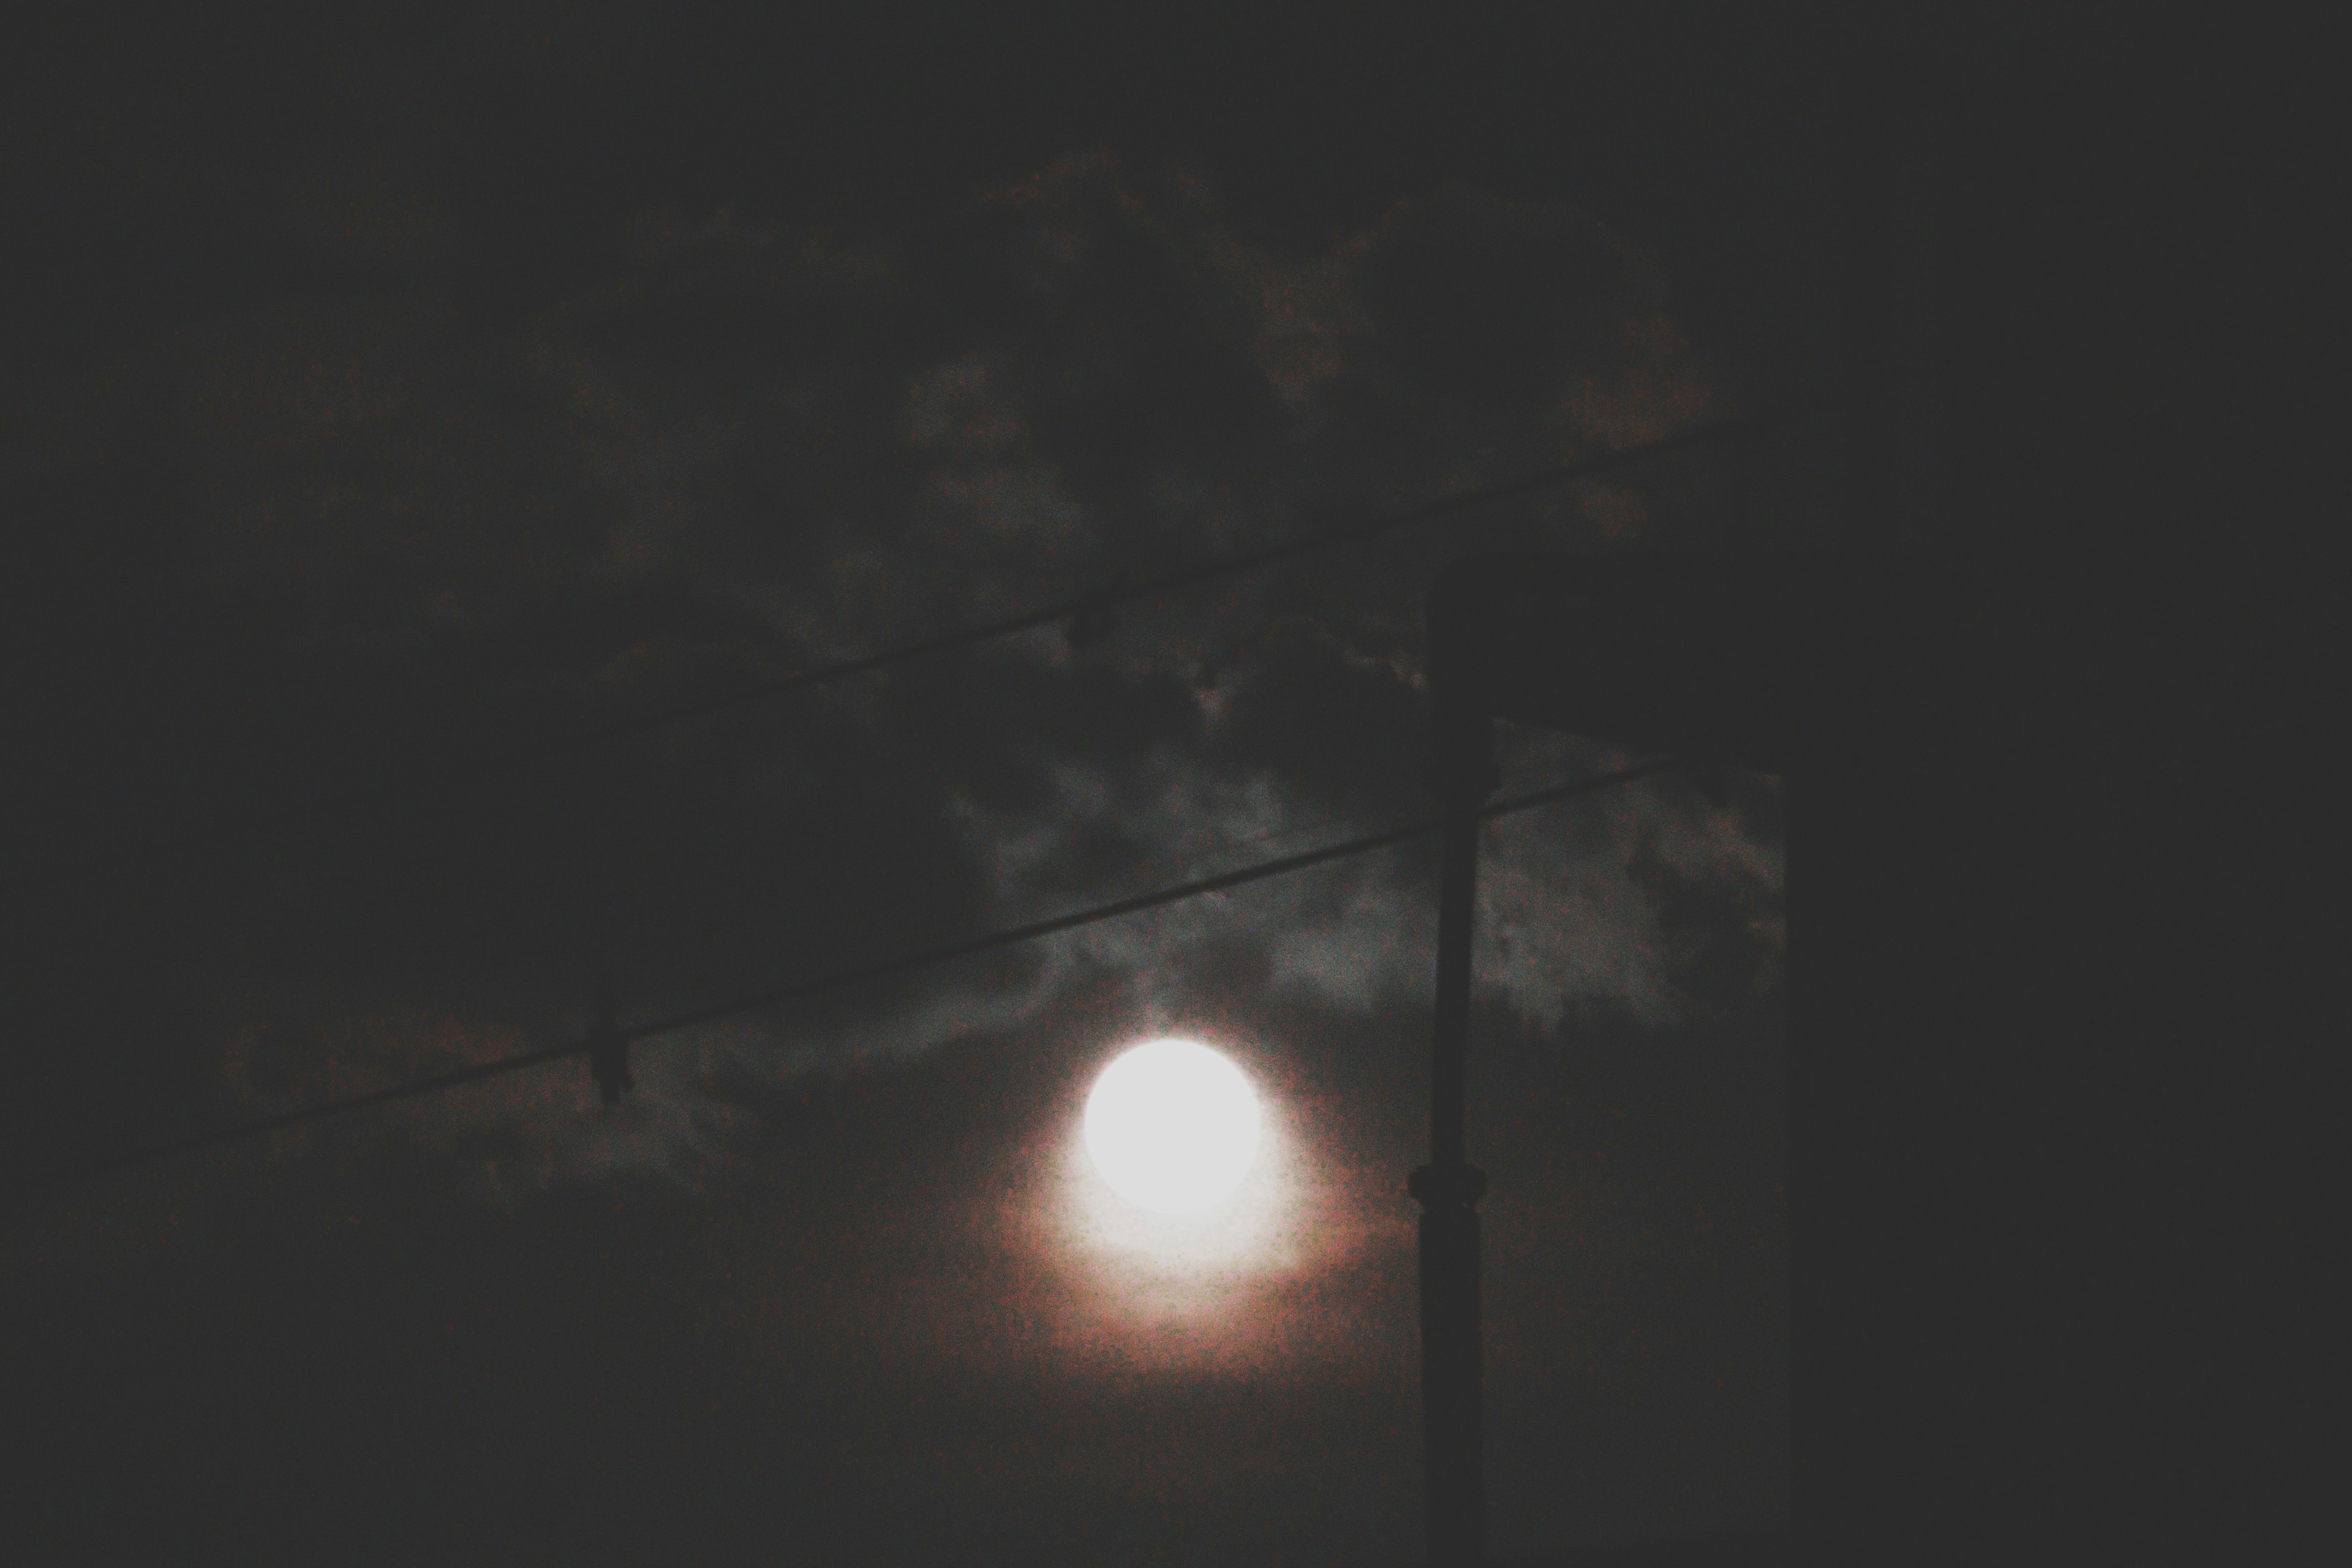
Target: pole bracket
[[1447, 1186]]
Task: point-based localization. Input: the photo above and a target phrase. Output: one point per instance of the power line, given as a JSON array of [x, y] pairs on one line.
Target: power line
[[843, 979], [1091, 604]]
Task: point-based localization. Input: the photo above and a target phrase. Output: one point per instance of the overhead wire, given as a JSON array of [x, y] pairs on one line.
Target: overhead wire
[[1095, 602], [1070, 611], [798, 990]]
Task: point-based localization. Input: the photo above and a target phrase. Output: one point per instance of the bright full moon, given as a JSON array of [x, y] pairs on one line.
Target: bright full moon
[[1173, 1127]]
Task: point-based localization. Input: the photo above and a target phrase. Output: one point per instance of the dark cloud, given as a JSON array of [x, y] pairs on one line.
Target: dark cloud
[[400, 474], [415, 541]]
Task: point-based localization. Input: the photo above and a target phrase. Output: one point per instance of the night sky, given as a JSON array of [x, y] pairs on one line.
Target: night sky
[[385, 392]]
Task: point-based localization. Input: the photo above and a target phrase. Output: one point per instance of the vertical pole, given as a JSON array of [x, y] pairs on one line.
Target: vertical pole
[[1848, 1425], [1746, 533], [1461, 775], [1871, 392]]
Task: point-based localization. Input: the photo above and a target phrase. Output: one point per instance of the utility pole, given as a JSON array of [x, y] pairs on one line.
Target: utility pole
[[1654, 651], [1461, 775]]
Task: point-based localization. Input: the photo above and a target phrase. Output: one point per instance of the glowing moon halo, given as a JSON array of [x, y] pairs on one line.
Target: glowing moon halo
[[1173, 1127]]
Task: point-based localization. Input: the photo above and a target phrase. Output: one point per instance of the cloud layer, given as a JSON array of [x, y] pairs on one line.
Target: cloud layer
[[314, 536]]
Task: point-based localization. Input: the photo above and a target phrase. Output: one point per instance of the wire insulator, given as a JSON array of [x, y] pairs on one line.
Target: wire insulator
[[1092, 621], [608, 1049]]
